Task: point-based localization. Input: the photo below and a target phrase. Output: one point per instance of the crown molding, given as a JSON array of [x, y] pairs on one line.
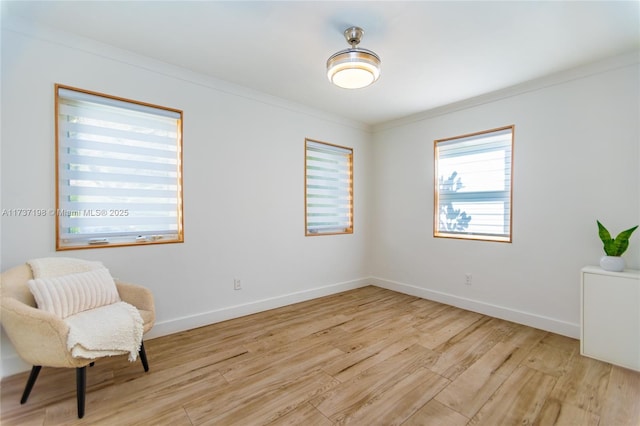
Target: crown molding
[[93, 47], [612, 63]]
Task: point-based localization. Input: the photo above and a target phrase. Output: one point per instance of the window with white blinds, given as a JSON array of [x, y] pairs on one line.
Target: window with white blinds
[[119, 171], [473, 186], [328, 188]]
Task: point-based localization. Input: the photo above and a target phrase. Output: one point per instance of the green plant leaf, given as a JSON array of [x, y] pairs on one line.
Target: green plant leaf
[[606, 239], [621, 243], [602, 231], [618, 246]]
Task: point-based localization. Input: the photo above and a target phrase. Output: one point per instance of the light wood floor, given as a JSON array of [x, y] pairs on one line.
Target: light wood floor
[[366, 357]]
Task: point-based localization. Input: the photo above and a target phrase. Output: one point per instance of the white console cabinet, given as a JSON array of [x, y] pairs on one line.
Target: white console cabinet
[[610, 316]]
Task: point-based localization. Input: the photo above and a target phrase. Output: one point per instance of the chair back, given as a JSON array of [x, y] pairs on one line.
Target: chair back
[[13, 283]]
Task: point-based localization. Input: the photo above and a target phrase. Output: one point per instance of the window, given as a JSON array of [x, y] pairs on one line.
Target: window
[[119, 171], [328, 188], [473, 186]]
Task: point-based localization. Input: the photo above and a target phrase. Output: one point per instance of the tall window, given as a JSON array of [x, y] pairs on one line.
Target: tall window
[[473, 186], [328, 188], [119, 171]]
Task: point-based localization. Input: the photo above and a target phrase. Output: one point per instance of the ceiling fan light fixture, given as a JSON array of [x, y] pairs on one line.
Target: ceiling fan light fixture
[[353, 68]]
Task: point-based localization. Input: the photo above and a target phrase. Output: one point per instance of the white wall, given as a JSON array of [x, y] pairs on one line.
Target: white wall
[[243, 184], [576, 159]]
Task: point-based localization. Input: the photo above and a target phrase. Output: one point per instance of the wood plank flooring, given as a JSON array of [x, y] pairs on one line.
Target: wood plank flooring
[[366, 357]]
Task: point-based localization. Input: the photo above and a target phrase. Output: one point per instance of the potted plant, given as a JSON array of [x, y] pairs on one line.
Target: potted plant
[[614, 248]]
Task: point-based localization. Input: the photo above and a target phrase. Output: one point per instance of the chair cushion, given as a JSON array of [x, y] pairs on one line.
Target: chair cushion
[[69, 294]]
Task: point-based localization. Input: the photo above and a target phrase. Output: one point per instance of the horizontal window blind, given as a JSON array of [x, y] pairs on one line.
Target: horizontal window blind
[[119, 171], [328, 188], [473, 195]]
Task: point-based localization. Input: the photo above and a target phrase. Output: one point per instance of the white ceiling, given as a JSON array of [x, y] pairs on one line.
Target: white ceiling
[[433, 53]]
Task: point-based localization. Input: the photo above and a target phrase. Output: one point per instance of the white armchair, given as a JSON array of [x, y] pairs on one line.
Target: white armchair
[[40, 337]]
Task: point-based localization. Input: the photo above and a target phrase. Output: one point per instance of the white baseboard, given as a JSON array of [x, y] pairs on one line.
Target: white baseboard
[[229, 312], [12, 364], [526, 318]]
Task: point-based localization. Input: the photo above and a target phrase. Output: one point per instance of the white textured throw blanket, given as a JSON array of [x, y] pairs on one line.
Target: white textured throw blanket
[[84, 295], [89, 338]]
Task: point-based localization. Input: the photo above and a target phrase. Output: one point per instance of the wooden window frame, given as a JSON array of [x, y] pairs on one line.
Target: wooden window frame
[[348, 228], [504, 238], [116, 239]]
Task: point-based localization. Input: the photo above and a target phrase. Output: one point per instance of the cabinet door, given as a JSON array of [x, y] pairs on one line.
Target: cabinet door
[[611, 319]]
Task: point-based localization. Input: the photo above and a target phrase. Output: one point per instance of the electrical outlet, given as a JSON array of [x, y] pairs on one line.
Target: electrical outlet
[[237, 284], [467, 278]]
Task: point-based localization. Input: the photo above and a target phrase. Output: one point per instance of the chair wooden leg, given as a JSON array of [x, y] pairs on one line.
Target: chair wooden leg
[[143, 357], [81, 387], [35, 370], [81, 381]]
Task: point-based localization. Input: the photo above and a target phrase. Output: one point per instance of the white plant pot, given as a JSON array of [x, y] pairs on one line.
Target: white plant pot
[[612, 263]]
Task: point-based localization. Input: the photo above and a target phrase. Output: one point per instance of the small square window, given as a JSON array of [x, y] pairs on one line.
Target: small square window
[[119, 171]]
